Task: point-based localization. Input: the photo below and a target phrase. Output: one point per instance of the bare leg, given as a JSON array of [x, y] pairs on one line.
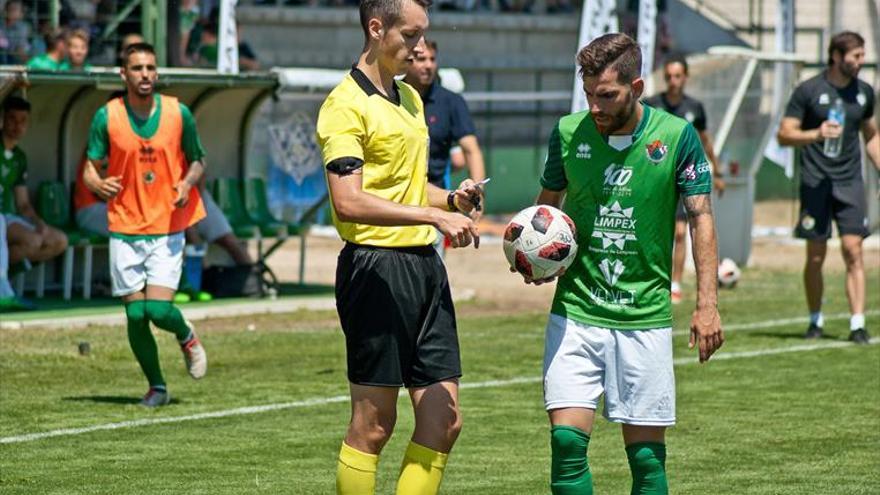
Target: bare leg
[[373, 416], [851, 247], [438, 419], [24, 243], [53, 243], [813, 282], [230, 243]]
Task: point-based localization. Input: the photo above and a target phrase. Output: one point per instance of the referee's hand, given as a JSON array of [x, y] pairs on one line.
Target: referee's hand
[[460, 229], [469, 198]]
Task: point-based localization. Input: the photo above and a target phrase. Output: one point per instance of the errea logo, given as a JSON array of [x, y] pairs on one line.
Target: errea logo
[[583, 151]]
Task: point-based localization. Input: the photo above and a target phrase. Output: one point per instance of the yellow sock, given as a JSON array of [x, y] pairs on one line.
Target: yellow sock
[[422, 471], [355, 472]]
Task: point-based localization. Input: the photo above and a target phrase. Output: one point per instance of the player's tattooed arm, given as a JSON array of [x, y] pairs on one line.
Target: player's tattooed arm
[[700, 204], [706, 330]]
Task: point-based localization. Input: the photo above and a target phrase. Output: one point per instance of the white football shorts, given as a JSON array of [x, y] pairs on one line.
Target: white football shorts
[[154, 261], [633, 368]]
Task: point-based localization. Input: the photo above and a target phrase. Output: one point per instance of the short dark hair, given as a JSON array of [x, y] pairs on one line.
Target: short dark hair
[[13, 103], [843, 42], [53, 37], [386, 10], [137, 48], [615, 51], [677, 59], [431, 44]]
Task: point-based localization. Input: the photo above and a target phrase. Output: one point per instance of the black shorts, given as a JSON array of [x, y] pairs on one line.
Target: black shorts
[[842, 201], [397, 315]]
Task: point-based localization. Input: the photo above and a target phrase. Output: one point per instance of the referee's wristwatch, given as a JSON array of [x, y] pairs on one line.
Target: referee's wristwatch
[[450, 201]]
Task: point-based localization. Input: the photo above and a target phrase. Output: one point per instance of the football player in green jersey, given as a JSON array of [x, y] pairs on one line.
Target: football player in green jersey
[[621, 167], [28, 235]]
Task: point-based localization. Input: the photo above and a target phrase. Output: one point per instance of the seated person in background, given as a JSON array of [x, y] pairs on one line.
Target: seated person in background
[[27, 234], [77, 43], [8, 300], [91, 216], [53, 59]]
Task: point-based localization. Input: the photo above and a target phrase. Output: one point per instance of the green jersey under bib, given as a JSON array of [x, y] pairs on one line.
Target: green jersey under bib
[[623, 202]]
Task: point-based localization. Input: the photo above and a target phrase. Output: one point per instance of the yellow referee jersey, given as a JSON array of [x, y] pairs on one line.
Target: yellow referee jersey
[[391, 138]]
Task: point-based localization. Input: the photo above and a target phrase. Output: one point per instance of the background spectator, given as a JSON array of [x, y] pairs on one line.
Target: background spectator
[[77, 43], [15, 34], [53, 59], [127, 40]]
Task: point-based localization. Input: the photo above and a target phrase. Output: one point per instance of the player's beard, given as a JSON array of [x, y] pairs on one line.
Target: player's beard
[[620, 119], [849, 70]]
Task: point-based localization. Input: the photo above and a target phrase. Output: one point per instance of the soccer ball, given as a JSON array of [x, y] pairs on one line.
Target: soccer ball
[[728, 273], [539, 241]]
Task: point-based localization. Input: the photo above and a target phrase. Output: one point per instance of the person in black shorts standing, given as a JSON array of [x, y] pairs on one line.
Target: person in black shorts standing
[[676, 102], [392, 294], [832, 186]]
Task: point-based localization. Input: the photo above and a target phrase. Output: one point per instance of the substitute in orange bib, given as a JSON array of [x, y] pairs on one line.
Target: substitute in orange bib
[[155, 159]]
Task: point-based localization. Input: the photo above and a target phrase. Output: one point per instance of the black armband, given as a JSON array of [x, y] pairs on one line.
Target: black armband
[[345, 165]]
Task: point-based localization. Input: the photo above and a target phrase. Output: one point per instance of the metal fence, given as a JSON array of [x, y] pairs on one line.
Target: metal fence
[[28, 27]]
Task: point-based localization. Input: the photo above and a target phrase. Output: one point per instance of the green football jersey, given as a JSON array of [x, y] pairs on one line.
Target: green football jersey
[[623, 203], [13, 173]]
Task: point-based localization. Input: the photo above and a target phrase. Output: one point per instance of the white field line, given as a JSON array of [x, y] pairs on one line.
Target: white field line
[[241, 411], [778, 323]]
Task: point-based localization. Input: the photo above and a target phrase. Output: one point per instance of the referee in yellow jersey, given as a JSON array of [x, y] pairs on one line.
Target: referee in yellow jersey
[[392, 293]]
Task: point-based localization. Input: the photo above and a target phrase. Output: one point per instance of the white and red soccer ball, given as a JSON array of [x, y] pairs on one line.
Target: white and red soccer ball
[[539, 241], [728, 273]]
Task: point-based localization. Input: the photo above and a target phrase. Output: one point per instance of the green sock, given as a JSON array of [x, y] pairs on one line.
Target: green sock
[[166, 316], [143, 345], [647, 462], [569, 470]]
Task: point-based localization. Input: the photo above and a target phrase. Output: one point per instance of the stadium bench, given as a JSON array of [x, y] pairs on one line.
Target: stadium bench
[[227, 194], [53, 206]]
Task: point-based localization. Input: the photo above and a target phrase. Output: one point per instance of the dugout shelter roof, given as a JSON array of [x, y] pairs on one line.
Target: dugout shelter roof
[[63, 104]]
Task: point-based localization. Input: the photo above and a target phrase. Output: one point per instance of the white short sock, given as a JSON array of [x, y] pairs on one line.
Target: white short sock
[[817, 319], [675, 287], [857, 321]]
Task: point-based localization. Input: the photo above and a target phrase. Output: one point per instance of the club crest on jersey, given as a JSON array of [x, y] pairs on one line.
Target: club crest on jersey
[[824, 99], [656, 151], [861, 99], [149, 177]]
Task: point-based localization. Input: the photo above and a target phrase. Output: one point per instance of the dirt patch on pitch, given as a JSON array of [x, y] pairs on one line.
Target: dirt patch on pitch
[[482, 276]]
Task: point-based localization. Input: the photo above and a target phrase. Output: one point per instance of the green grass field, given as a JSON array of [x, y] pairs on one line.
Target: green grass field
[[771, 415]]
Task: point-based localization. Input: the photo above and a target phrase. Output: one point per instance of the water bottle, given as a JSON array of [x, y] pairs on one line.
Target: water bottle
[[194, 254], [835, 114]]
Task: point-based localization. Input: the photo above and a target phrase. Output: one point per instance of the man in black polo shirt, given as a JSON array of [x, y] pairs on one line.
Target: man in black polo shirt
[[674, 101], [832, 186], [449, 126]]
